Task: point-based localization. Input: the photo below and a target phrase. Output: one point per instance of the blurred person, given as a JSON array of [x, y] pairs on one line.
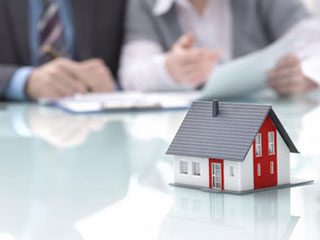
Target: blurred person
[[175, 44], [56, 48]]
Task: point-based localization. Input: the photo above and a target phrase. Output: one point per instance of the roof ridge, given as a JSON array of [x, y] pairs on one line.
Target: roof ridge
[[236, 103]]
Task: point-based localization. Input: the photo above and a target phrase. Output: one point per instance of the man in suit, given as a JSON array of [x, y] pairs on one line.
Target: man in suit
[[172, 44], [56, 48]]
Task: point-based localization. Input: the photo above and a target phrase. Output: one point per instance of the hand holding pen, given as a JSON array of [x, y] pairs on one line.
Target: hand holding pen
[[63, 77]]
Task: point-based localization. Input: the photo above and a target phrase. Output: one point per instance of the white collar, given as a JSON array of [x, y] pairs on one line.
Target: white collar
[[162, 7]]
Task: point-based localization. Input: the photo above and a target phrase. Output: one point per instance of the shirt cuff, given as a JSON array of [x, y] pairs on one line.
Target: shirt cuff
[[15, 89]]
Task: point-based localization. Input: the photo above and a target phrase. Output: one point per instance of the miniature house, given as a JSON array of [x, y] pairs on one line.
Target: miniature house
[[236, 148]]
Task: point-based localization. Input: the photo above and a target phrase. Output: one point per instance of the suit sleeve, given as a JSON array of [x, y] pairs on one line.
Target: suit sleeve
[[139, 24], [279, 16]]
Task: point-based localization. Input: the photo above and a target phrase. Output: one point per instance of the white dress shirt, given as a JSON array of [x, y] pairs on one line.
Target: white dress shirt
[[142, 65]]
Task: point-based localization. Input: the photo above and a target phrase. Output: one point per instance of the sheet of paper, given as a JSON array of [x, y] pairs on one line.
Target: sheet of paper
[[121, 101], [311, 68], [248, 74]]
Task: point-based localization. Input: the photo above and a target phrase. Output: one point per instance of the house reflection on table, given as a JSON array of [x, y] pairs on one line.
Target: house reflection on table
[[202, 215]]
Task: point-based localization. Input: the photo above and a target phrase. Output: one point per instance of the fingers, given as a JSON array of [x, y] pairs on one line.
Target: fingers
[[185, 41], [215, 55], [287, 90], [283, 76], [195, 79], [69, 67], [287, 78], [98, 76], [93, 62], [64, 78], [91, 74], [65, 73], [191, 66], [195, 56], [71, 86], [196, 75], [288, 61], [284, 82], [60, 90]]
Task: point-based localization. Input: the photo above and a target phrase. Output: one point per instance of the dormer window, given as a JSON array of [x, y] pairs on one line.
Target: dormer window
[[259, 145]]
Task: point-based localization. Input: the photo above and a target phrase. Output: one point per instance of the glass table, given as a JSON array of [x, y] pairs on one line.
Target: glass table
[[106, 176]]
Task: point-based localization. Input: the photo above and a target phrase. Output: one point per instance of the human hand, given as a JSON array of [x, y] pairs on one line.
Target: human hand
[[189, 65], [287, 78], [97, 76], [64, 78], [56, 79]]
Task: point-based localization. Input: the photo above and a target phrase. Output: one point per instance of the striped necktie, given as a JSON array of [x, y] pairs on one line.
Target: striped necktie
[[50, 31]]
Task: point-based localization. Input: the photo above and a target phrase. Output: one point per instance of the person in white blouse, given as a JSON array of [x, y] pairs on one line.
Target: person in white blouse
[[175, 44]]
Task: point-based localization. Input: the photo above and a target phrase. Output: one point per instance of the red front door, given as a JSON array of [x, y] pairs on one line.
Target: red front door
[[265, 156], [216, 176]]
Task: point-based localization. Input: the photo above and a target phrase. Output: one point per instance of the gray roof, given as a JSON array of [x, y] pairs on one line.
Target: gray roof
[[228, 136]]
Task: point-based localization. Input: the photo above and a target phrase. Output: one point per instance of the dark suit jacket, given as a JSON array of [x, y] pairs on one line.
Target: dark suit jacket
[[98, 27]]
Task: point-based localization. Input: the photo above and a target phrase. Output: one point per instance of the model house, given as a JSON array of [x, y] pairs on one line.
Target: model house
[[236, 148]]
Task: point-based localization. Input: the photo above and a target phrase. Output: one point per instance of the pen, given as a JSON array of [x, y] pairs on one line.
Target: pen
[[51, 51]]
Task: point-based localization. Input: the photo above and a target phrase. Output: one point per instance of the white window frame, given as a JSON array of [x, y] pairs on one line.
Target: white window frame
[[259, 170], [231, 171], [217, 175], [272, 167], [259, 145], [271, 144], [196, 166], [183, 167]]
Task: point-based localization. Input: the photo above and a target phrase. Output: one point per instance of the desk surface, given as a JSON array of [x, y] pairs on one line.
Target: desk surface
[[106, 176]]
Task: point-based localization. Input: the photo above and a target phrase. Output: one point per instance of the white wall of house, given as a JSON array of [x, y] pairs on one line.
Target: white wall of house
[[247, 172], [243, 178], [283, 156], [232, 183], [190, 179]]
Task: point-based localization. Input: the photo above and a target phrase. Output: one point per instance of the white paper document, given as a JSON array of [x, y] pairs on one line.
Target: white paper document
[[248, 74], [311, 68], [124, 101]]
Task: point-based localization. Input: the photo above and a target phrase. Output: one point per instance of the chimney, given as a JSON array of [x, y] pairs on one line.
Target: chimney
[[215, 108]]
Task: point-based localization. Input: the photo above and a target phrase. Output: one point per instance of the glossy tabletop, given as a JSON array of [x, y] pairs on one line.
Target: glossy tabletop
[[106, 176]]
